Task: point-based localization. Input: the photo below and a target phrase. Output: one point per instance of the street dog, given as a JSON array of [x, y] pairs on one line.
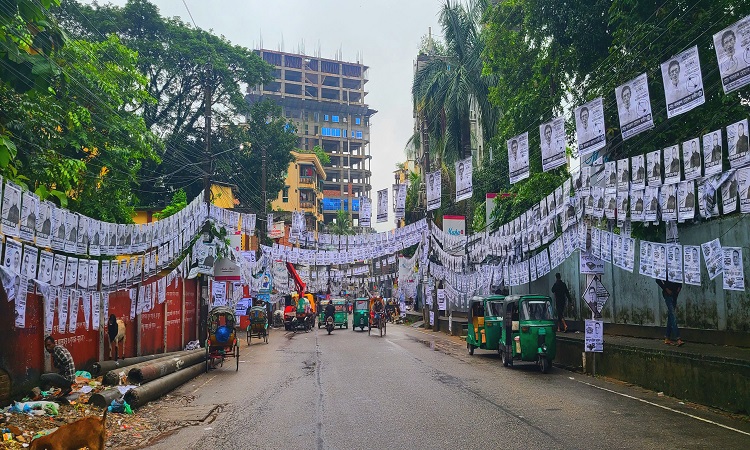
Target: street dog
[[90, 432]]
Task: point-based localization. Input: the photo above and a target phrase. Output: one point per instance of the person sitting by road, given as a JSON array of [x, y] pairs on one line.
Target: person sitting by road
[[63, 362]]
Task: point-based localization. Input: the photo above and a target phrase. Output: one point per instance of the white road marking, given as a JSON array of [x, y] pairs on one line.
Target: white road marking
[[666, 408]]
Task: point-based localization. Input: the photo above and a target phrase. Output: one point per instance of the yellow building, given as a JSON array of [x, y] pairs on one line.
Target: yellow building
[[302, 188]]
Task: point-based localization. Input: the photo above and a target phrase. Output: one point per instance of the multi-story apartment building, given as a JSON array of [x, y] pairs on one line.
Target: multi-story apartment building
[[303, 189], [325, 99]]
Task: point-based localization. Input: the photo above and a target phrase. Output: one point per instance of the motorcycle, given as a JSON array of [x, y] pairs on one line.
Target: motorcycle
[[329, 324]]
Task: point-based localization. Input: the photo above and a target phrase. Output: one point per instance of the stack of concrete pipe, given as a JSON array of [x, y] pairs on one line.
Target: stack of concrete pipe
[[159, 375]]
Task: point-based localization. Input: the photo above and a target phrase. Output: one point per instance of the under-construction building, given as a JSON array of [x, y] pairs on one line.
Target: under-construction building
[[325, 99]]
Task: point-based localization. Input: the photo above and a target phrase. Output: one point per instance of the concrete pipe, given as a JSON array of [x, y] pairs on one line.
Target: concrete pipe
[[102, 367], [165, 366], [141, 395], [112, 378], [104, 398]]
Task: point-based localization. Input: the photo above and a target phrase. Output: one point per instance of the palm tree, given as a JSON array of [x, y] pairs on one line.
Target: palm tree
[[342, 224], [449, 81]]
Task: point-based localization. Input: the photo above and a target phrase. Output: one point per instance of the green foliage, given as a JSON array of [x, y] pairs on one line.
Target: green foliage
[[177, 204], [342, 224], [320, 153], [524, 195]]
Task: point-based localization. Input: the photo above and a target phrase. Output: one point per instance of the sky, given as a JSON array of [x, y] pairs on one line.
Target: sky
[[385, 33]]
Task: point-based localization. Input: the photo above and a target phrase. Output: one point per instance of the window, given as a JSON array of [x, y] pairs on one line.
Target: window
[[344, 133], [335, 119], [316, 130], [285, 194], [317, 116], [359, 135], [325, 117], [336, 132], [357, 121]]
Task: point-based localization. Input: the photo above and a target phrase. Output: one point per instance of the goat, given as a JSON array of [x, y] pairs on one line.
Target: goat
[[116, 332]]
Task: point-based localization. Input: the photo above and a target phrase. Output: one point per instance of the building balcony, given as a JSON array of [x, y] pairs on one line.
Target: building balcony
[[307, 181], [307, 206]]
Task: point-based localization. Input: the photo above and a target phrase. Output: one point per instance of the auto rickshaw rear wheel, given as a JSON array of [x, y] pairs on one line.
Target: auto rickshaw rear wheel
[[544, 364], [507, 361], [471, 348]]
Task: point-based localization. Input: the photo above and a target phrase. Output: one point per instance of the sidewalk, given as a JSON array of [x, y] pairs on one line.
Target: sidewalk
[[711, 375]]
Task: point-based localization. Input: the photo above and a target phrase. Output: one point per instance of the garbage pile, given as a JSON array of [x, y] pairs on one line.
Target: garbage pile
[[118, 387]]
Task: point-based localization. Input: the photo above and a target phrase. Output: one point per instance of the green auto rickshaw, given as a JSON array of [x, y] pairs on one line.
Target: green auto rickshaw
[[340, 316], [361, 314], [528, 332], [485, 323]]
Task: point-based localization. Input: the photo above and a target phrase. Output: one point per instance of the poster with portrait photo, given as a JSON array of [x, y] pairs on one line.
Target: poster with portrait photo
[[365, 213], [672, 172], [610, 174], [105, 283], [712, 256], [464, 186], [693, 162], [58, 270], [82, 244], [44, 272], [617, 250], [653, 168], [382, 205], [668, 200], [71, 272], [659, 268], [737, 144], [590, 130], [12, 257], [29, 262], [114, 275], [732, 45], [44, 225], [552, 204], [622, 206], [82, 282], [686, 200], [111, 244], [637, 205], [610, 203], [651, 202], [552, 138], [712, 153], [434, 190], [29, 212], [646, 265], [683, 82], [597, 195], [606, 246], [674, 263], [582, 178], [71, 227], [518, 157], [122, 274], [743, 185], [95, 232], [634, 107], [399, 207], [729, 192], [628, 254], [596, 242], [638, 172], [734, 275], [93, 277], [623, 174], [11, 211]]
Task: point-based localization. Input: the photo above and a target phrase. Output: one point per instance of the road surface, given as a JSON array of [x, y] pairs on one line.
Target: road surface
[[416, 389]]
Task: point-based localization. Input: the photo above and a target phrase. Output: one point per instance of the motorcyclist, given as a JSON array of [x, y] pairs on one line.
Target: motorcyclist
[[330, 310]]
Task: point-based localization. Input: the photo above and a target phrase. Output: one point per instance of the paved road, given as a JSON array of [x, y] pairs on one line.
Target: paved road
[[420, 389]]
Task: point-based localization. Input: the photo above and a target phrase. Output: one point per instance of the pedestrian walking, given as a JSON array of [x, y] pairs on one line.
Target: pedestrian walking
[[670, 290], [562, 296]]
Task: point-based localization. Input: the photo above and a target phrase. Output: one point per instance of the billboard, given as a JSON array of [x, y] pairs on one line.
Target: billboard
[[454, 225]]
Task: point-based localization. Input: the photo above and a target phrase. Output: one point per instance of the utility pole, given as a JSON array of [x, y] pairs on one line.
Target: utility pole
[[208, 156]]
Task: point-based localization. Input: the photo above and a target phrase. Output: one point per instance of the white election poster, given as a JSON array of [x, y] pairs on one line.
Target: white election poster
[[691, 155], [674, 263], [518, 157], [382, 205], [712, 153], [590, 264], [434, 190], [743, 183], [686, 200], [634, 107], [365, 212], [672, 164], [712, 255], [552, 137], [691, 265], [732, 46], [400, 207], [594, 336], [737, 141], [734, 276], [464, 188], [590, 127], [638, 172], [441, 299], [683, 82]]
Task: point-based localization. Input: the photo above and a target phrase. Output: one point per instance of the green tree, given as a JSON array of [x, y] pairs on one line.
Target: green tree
[[450, 79], [342, 224], [81, 139], [174, 56]]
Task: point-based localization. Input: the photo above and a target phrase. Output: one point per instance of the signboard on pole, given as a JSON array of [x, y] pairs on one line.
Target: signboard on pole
[[595, 296], [454, 225], [594, 340]]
